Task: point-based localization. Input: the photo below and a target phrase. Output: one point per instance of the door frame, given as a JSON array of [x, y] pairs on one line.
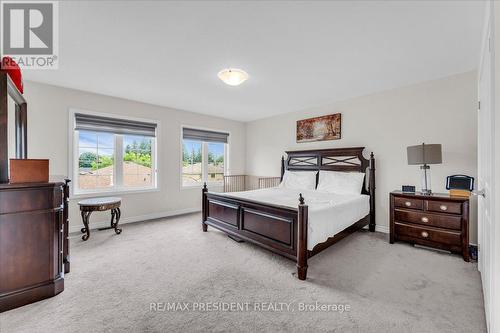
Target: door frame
[[491, 49]]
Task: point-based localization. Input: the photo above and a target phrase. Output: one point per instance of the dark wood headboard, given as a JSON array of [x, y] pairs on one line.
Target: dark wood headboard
[[334, 159], [339, 159]]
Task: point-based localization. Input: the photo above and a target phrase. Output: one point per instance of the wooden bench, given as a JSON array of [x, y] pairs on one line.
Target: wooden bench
[[88, 206]]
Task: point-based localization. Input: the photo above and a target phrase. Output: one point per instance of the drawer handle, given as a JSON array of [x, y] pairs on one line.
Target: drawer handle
[[443, 207], [425, 234], [408, 204], [425, 219]]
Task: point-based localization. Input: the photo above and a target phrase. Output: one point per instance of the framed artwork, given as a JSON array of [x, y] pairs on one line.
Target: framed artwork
[[319, 128]]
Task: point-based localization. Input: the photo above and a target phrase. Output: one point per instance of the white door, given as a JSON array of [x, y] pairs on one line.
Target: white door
[[485, 176]]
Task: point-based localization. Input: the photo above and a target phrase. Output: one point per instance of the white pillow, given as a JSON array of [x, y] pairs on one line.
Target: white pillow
[[341, 182], [299, 180]]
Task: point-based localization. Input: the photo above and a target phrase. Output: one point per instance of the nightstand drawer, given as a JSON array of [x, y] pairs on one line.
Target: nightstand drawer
[[435, 220], [431, 234], [409, 203], [444, 207]]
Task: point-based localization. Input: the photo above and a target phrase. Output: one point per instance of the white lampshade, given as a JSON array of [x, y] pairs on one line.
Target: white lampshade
[[233, 76]]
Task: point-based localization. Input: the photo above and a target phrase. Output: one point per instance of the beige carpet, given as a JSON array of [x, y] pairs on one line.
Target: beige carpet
[[389, 288]]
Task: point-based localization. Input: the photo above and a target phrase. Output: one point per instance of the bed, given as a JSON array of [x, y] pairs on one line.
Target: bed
[[297, 223]]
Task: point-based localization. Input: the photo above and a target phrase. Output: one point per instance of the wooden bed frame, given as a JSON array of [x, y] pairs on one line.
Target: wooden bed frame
[[281, 229]]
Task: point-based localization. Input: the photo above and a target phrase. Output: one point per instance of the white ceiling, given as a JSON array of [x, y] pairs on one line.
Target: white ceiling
[[297, 54]]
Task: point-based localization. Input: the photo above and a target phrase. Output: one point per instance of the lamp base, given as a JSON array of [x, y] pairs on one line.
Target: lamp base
[[426, 179]]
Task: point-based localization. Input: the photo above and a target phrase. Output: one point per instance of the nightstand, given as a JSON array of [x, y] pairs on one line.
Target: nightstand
[[438, 220]]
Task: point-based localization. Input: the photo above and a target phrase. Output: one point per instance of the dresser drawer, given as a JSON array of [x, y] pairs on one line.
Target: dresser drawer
[[30, 199], [423, 218], [409, 203], [444, 207], [431, 234]]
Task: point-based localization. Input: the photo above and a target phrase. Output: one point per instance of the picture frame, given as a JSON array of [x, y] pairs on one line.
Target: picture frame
[[323, 128]]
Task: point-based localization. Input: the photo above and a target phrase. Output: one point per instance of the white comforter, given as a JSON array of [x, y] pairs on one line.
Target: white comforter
[[329, 213]]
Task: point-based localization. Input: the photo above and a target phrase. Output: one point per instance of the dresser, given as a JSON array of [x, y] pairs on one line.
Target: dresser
[[34, 252], [438, 220]]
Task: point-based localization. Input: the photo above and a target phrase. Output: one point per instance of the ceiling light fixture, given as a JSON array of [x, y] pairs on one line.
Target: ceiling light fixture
[[233, 76]]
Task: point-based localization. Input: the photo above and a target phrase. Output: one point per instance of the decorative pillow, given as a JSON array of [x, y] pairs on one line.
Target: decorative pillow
[[299, 180], [341, 182]]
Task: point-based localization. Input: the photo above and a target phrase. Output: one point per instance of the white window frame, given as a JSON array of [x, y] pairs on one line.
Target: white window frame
[[204, 158], [73, 137]]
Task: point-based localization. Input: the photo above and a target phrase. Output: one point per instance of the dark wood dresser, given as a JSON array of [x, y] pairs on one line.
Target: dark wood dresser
[[438, 220], [34, 251]]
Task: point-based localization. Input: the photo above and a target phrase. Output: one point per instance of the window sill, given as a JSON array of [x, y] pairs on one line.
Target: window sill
[[83, 195], [209, 185]]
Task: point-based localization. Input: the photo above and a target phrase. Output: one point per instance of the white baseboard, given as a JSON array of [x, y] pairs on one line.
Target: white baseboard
[[131, 219], [380, 228]]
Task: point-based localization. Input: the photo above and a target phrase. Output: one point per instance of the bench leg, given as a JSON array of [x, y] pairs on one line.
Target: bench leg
[[115, 218], [85, 229]]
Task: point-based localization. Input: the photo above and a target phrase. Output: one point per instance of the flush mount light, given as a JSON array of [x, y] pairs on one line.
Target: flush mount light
[[233, 76]]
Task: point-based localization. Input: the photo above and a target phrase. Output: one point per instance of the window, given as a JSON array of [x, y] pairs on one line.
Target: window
[[191, 162], [137, 161], [215, 162], [203, 157], [113, 154], [95, 160]]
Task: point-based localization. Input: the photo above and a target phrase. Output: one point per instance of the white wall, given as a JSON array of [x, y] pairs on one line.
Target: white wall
[[441, 111], [48, 109]]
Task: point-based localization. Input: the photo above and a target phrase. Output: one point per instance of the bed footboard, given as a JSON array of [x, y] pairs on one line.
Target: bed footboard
[[280, 229]]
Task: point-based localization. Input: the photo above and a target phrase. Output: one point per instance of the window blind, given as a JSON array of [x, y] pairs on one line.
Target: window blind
[[86, 122], [204, 135]]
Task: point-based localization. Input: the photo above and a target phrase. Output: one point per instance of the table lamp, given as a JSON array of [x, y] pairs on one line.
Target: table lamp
[[424, 155]]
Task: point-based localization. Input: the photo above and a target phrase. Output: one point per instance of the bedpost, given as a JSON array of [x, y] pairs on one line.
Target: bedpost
[[302, 239], [204, 208], [372, 192], [282, 167]]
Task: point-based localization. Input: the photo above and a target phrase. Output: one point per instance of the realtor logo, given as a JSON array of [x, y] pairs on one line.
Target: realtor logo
[[30, 33]]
